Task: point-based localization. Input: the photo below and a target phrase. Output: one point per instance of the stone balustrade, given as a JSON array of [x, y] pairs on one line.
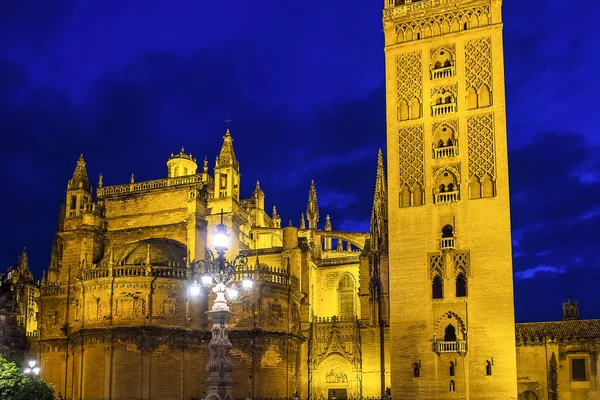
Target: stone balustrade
[[440, 73], [447, 243], [446, 197], [441, 152], [149, 185], [459, 346], [441, 109]]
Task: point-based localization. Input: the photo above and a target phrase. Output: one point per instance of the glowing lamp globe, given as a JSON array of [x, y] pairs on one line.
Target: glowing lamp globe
[[32, 363], [221, 238], [194, 289], [233, 293], [247, 283], [207, 280], [36, 370]]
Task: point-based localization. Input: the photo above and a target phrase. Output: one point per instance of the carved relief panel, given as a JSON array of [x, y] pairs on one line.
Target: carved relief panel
[[409, 85], [478, 73], [412, 172], [482, 162]]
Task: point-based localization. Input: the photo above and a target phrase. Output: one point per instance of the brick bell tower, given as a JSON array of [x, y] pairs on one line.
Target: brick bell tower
[[451, 288]]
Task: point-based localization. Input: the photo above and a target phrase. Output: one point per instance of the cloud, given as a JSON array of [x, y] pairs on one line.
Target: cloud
[[532, 272]]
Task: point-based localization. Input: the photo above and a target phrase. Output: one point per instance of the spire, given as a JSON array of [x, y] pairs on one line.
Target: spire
[[302, 223], [312, 209], [275, 218], [379, 211], [205, 167], [56, 253], [100, 180], [80, 178], [257, 189], [24, 272], [23, 260], [227, 156], [327, 223]]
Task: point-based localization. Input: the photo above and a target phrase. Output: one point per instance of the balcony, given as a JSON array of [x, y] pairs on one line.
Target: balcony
[[441, 109], [441, 152], [447, 243], [446, 197], [459, 346], [441, 73]]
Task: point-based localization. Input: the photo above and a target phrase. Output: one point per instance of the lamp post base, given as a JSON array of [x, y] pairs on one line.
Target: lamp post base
[[218, 383]]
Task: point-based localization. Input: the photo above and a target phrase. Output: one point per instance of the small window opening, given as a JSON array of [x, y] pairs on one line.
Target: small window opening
[[452, 386], [450, 334], [461, 285], [488, 368], [437, 288], [451, 368], [73, 202], [578, 369], [465, 26], [447, 231], [416, 370], [418, 36]]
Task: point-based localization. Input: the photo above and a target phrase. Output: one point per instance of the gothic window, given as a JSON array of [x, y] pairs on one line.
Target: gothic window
[[450, 333], [452, 386], [445, 140], [416, 370], [461, 285], [446, 187], [488, 368], [346, 293], [73, 202], [451, 368], [437, 288], [578, 369], [442, 63]]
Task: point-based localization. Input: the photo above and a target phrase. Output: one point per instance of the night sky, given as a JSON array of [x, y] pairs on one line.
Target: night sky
[[128, 82]]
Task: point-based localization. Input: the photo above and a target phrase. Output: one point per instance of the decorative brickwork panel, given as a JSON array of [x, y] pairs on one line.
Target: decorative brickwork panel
[[480, 137], [478, 64], [409, 73], [436, 265], [435, 25], [411, 156], [461, 262]]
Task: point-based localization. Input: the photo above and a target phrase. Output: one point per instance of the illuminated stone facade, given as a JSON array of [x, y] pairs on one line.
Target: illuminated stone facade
[[452, 311], [116, 321], [18, 309]]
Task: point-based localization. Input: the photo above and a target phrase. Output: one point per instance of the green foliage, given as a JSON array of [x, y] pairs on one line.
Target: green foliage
[[553, 379], [15, 385]]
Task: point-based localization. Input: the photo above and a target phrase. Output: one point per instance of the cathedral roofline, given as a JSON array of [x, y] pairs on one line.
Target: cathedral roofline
[[536, 333]]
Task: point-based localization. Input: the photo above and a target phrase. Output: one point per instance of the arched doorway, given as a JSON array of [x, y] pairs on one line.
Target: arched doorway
[[334, 377]]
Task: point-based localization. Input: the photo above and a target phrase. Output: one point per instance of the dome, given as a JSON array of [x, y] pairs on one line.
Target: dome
[[163, 252]]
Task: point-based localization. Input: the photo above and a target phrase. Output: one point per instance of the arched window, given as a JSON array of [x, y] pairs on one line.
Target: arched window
[[346, 294], [437, 288], [488, 367], [416, 370], [447, 231], [450, 334], [461, 285], [452, 386], [451, 368]]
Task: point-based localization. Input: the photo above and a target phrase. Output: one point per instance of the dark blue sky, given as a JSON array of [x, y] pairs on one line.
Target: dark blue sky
[[128, 82]]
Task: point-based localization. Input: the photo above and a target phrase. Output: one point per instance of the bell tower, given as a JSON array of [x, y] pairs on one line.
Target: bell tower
[[451, 289]]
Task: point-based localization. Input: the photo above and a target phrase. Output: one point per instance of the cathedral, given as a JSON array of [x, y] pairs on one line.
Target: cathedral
[[419, 307]]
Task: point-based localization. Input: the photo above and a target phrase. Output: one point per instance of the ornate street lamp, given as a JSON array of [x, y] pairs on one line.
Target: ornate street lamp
[[32, 369], [219, 273]]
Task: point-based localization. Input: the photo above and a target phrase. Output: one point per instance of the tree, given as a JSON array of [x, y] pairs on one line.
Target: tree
[[15, 385], [553, 379]]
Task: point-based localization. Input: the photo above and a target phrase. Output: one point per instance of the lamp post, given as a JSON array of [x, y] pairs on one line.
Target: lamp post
[[218, 273], [32, 368]]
